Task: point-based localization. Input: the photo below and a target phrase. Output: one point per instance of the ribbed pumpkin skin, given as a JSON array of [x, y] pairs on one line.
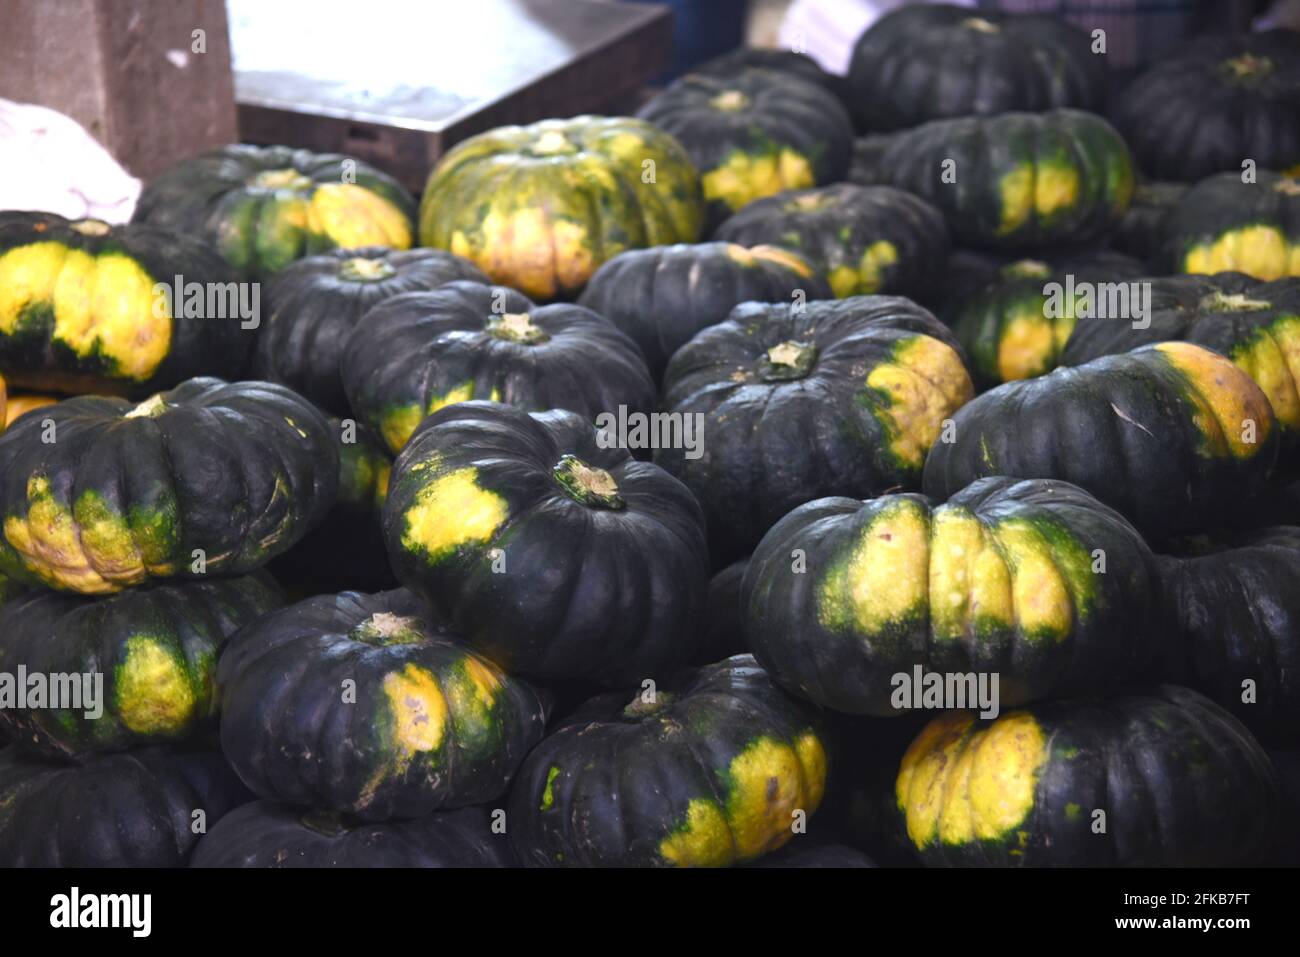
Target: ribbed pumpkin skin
[[79, 312], [126, 493], [1181, 782], [707, 773], [262, 207], [134, 809], [417, 353], [1214, 103], [540, 207], [930, 61], [840, 397], [268, 835], [1224, 225], [883, 593], [556, 557], [155, 648], [1233, 614], [724, 630], [1022, 180], [755, 133], [1163, 434], [1141, 231], [662, 297], [315, 303], [868, 151], [867, 239], [431, 725]]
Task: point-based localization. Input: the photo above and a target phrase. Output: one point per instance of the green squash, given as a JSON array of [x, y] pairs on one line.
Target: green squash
[[1004, 578], [540, 207], [262, 207], [1224, 225], [867, 239], [368, 705], [79, 311], [1179, 781], [707, 770], [1140, 233], [837, 397], [552, 550], [209, 478], [1172, 435]]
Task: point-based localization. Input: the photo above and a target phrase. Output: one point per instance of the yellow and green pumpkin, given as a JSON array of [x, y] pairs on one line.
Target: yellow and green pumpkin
[[1225, 225]]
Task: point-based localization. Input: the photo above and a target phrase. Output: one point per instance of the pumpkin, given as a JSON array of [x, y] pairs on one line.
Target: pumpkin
[[1140, 233], [1003, 578], [552, 550], [23, 403], [1017, 180], [929, 61], [838, 397], [783, 61], [315, 303], [867, 239], [265, 834], [1232, 616], [135, 809], [1016, 326], [152, 654], [754, 133], [209, 478], [815, 854], [1171, 435], [864, 166], [262, 207], [709, 769], [541, 207], [419, 352], [1214, 103], [370, 706], [661, 297], [1179, 781], [82, 307], [1224, 225], [724, 625]]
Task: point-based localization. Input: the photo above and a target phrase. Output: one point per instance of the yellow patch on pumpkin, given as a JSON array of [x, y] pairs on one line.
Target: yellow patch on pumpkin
[[1224, 400], [885, 577], [153, 690], [451, 511], [353, 216], [1260, 251], [417, 708], [1272, 359], [925, 382]]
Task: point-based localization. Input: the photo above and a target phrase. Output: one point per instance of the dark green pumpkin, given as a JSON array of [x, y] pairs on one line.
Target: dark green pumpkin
[[929, 61], [663, 296], [262, 207], [153, 652], [1172, 435], [724, 628], [1001, 579], [268, 835], [868, 151], [754, 133], [1214, 103], [209, 478], [369, 705], [1179, 780], [557, 555], [414, 354], [79, 310], [867, 239], [141, 808], [707, 770], [838, 397], [1017, 180], [315, 303], [1140, 233], [1224, 225]]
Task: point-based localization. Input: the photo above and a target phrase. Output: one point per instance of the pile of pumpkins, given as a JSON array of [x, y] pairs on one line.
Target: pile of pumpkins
[[601, 508]]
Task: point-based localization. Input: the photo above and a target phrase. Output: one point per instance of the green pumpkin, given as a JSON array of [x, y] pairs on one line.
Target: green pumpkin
[[368, 705], [1140, 233], [1002, 578], [315, 303], [1224, 225], [540, 207], [1212, 104], [707, 770], [553, 551], [837, 397], [1180, 783], [754, 133], [867, 239], [923, 62], [209, 478], [262, 207], [1017, 180], [1172, 435], [79, 311]]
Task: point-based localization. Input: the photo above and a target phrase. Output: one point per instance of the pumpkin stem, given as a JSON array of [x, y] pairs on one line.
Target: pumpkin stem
[[787, 360], [384, 628], [150, 408], [730, 101], [1287, 186], [361, 269], [1236, 302], [808, 201], [590, 486], [517, 327], [1247, 67], [980, 25], [643, 708], [329, 823], [280, 179], [1027, 269], [552, 141], [91, 227]]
